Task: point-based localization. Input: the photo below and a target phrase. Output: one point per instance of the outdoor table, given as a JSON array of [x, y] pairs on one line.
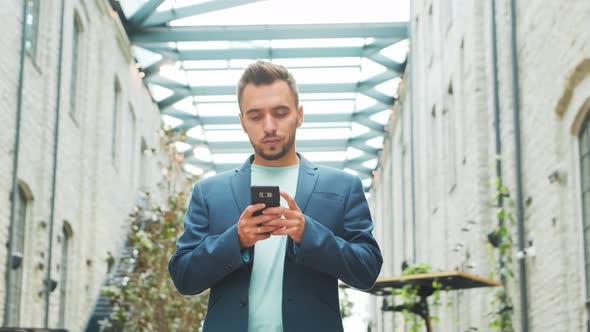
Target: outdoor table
[[449, 280]]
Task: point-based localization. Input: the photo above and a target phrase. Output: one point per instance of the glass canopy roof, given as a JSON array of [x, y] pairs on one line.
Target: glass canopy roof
[[347, 58]]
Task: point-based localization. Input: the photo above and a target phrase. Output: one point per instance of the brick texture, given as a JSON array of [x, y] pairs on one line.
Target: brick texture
[[452, 46]]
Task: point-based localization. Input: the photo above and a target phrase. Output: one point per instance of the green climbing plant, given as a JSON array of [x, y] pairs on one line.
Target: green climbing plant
[[501, 248], [409, 297], [144, 298], [345, 303]]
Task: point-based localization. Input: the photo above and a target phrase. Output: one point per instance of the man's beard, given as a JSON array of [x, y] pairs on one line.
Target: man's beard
[[286, 147]]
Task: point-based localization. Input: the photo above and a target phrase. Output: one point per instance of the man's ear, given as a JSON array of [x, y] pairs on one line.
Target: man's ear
[[242, 122], [299, 116]]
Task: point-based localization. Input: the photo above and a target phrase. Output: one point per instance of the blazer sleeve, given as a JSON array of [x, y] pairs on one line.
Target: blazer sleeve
[[354, 258], [202, 259]]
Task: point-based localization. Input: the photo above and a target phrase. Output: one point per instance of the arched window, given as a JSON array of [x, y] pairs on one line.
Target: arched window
[[584, 143], [16, 261], [66, 237]]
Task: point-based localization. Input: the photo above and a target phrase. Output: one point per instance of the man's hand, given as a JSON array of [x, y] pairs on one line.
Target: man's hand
[[291, 220], [249, 231]]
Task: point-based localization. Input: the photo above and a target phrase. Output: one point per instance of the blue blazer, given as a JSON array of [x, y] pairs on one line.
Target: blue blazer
[[337, 244]]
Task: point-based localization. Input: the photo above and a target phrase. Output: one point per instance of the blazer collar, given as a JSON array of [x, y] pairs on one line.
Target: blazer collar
[[240, 182]]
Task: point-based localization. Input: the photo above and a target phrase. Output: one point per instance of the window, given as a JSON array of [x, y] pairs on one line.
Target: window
[[74, 61], [584, 142], [63, 280], [116, 105], [18, 247], [31, 27], [128, 146]]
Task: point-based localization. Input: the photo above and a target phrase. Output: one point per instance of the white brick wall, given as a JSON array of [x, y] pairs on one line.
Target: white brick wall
[[551, 44], [92, 195]]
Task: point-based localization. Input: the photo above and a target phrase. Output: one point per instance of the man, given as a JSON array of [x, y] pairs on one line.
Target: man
[[277, 271]]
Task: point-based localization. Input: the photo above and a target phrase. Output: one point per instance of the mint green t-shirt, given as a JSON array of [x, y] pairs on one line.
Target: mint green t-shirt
[[266, 284]]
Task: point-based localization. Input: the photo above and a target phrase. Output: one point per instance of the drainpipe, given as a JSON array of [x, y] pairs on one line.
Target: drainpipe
[[54, 172], [19, 104], [410, 74], [518, 170], [497, 119]]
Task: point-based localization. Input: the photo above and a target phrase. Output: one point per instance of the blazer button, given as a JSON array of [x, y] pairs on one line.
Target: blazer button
[[243, 301]]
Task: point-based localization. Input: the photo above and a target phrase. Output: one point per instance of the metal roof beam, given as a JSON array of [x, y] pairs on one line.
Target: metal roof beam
[[167, 102], [373, 125], [143, 13], [167, 83], [378, 96], [268, 32], [388, 63], [269, 52], [367, 112], [231, 89], [378, 79], [246, 147], [227, 120], [190, 120], [192, 10]]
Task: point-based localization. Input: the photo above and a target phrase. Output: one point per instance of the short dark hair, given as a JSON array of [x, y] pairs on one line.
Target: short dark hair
[[264, 73]]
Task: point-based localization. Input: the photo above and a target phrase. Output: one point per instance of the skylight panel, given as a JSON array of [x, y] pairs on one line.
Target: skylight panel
[[327, 106], [398, 51], [203, 153], [218, 109], [170, 122], [326, 96], [318, 134], [320, 156], [230, 158], [226, 136], [214, 77], [326, 75], [242, 63], [204, 45], [358, 130], [389, 87], [145, 57], [376, 142], [159, 93], [193, 169], [205, 64], [216, 99], [186, 105], [319, 62], [317, 42], [381, 117]]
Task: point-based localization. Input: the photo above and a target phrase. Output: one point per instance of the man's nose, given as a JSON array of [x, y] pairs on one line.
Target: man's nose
[[269, 124]]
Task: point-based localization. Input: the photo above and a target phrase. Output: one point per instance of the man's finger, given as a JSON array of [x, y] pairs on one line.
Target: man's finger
[[290, 201], [283, 231], [279, 210], [282, 222], [251, 209], [266, 229]]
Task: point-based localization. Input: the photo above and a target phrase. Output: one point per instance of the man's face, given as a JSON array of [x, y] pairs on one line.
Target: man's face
[[270, 118]]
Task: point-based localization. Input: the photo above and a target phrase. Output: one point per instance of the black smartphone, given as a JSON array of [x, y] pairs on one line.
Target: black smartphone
[[269, 195]]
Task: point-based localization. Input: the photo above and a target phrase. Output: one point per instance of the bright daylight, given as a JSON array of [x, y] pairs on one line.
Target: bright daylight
[[295, 166]]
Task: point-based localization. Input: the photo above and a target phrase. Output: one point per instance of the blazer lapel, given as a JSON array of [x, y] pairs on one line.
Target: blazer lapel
[[308, 177], [240, 184]]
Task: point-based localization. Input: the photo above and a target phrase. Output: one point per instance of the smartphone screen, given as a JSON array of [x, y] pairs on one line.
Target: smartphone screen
[[269, 195]]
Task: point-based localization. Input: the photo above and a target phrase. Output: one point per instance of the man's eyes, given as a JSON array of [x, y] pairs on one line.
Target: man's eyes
[[278, 114]]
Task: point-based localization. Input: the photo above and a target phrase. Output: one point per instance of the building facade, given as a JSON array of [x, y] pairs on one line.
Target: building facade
[[433, 198], [70, 208]]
